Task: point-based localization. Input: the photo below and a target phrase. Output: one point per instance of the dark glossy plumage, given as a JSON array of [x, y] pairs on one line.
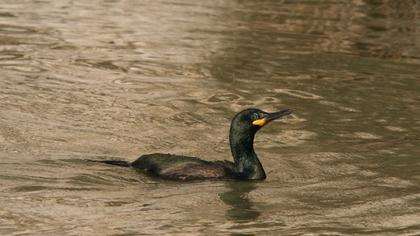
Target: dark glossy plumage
[[246, 164], [170, 166]]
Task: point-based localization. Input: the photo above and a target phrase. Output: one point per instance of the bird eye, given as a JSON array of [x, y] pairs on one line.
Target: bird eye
[[255, 116]]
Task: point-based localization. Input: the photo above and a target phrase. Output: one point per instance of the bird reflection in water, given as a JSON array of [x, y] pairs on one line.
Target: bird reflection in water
[[242, 209]]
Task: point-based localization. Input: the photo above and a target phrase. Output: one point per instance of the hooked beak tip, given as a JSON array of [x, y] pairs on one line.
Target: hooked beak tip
[[276, 115]]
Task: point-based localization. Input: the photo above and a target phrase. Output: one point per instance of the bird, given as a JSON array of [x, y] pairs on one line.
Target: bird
[[245, 165]]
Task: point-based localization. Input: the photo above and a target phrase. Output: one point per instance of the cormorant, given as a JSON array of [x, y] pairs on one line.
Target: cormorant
[[246, 165]]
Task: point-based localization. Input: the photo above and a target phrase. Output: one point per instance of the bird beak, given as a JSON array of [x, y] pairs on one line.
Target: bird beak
[[271, 116], [276, 115]]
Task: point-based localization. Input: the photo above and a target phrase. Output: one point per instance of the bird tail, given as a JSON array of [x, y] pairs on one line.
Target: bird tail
[[114, 162]]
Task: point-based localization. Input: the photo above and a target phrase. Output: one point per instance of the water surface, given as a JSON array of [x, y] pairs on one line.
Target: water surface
[[107, 79]]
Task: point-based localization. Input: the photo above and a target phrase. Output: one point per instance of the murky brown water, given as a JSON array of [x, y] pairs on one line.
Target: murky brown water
[[110, 79]]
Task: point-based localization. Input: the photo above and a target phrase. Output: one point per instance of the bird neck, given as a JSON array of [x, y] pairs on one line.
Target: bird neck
[[247, 164]]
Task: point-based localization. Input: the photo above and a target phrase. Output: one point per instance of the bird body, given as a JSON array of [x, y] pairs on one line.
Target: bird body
[[246, 165], [170, 166]]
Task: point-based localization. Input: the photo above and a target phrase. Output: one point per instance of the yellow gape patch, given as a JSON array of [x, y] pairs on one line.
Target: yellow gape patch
[[259, 122]]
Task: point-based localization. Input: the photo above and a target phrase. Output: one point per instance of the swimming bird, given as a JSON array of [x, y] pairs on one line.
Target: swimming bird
[[246, 165]]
